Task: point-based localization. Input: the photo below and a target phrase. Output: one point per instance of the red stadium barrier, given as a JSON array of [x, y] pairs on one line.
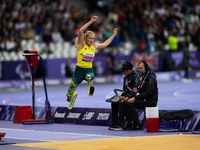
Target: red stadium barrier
[[22, 113], [2, 134]]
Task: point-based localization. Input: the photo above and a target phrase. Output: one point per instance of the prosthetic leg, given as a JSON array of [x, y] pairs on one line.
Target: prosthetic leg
[[73, 99], [90, 86]]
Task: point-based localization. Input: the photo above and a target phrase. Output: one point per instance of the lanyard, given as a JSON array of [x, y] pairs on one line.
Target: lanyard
[[142, 82], [127, 82]]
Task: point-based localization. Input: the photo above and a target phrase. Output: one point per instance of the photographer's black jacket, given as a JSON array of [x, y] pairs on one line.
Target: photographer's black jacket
[[148, 88], [130, 81]]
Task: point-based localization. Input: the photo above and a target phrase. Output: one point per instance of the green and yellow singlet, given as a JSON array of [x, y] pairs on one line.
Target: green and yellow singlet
[[85, 56]]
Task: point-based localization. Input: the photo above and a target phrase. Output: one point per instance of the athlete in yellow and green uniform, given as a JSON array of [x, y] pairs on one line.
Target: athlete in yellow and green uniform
[[83, 69], [85, 55]]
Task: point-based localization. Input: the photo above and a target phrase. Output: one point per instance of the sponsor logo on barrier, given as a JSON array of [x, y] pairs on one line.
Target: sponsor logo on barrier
[[103, 116], [73, 115], [188, 124], [88, 115], [196, 121], [7, 112], [59, 115]]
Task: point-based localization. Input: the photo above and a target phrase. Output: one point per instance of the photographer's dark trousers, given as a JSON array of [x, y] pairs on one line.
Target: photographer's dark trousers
[[131, 112], [117, 113]]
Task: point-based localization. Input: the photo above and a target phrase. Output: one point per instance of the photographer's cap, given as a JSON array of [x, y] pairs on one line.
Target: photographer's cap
[[127, 65]]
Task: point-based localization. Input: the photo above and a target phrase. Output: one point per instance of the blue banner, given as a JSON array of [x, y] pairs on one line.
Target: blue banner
[[55, 68], [7, 112], [96, 116]]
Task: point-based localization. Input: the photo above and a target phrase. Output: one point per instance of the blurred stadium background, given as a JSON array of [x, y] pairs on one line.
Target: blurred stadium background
[[151, 30]]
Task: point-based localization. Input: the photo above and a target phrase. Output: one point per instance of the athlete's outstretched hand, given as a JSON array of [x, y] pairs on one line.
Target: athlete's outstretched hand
[[115, 31], [94, 18]]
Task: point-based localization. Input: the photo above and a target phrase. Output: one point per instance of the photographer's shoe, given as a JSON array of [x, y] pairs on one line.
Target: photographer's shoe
[[135, 127]]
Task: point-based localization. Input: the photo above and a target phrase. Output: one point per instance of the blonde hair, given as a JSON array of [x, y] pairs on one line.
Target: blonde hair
[[88, 32], [85, 35]]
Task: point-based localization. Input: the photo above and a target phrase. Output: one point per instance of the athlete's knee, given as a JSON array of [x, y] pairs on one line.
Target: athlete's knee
[[89, 77]]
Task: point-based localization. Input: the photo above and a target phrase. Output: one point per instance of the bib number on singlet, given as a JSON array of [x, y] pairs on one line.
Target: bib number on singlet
[[88, 57]]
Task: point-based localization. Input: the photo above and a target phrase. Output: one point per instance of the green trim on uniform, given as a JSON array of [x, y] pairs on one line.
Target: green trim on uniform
[[78, 77], [72, 88]]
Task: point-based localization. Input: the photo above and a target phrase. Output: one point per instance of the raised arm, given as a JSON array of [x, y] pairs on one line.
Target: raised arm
[[84, 27], [108, 41]]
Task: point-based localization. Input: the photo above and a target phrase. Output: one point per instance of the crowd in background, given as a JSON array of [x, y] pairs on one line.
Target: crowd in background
[[52, 20], [151, 25]]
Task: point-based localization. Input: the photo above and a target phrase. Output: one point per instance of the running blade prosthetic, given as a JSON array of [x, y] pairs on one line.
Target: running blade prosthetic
[[90, 89]]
